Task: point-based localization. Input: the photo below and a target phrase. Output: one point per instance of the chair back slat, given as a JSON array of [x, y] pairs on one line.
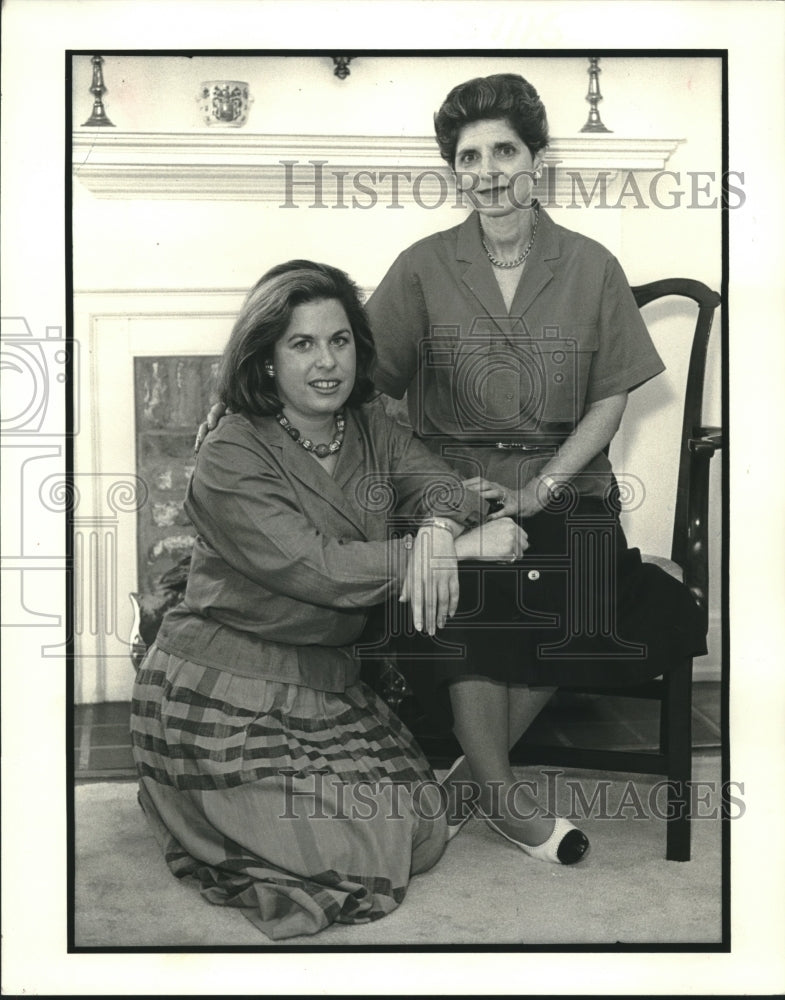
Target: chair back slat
[[707, 301]]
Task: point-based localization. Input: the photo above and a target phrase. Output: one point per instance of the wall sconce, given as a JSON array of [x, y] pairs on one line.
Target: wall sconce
[[593, 122], [342, 66], [99, 116]]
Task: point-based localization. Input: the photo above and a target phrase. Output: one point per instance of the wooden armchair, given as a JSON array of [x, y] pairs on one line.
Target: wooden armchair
[[688, 561]]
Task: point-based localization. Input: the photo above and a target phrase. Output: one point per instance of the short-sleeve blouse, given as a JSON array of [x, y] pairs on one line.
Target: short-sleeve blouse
[[478, 376]]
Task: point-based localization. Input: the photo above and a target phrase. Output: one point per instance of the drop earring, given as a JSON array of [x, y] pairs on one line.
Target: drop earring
[[269, 370]]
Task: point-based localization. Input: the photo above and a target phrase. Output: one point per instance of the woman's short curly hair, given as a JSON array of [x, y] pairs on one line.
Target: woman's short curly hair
[[265, 317], [500, 97]]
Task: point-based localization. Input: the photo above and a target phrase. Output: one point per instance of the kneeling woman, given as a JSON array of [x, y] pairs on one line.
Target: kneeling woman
[[268, 770]]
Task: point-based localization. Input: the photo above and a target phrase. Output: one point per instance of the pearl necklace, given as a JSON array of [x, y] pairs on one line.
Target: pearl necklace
[[320, 450], [527, 249]]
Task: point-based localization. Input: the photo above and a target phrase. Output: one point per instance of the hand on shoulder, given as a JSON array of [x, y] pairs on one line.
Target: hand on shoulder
[[214, 415]]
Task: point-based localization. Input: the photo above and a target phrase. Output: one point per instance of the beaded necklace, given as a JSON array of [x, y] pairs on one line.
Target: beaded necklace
[[320, 450]]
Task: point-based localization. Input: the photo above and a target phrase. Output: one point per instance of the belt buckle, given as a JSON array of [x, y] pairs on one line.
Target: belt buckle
[[510, 445]]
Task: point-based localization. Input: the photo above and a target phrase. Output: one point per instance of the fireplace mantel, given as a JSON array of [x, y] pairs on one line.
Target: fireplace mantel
[[247, 166]]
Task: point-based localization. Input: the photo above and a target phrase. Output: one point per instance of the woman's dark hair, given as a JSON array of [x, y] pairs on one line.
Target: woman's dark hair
[[501, 97], [265, 316]]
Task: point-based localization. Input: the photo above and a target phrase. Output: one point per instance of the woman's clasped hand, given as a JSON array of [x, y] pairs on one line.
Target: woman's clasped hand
[[431, 585], [508, 502]]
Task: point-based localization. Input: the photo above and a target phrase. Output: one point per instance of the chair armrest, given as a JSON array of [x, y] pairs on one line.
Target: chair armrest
[[708, 437], [696, 561]]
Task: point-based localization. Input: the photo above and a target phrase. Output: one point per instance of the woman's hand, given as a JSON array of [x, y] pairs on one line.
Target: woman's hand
[[209, 424], [500, 540], [431, 584], [514, 503]]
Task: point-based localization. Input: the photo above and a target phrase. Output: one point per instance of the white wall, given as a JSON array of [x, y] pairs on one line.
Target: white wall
[[203, 245], [160, 244]]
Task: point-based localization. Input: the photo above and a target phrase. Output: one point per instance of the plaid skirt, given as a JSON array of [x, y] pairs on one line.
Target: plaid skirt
[[303, 808]]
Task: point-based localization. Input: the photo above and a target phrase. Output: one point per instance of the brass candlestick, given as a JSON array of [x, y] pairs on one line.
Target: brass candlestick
[[99, 116], [342, 66], [593, 123]]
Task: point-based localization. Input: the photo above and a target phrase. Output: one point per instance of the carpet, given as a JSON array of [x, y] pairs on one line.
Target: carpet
[[483, 891]]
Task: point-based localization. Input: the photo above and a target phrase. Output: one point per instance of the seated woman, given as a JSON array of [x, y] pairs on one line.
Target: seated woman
[[267, 769], [516, 342]]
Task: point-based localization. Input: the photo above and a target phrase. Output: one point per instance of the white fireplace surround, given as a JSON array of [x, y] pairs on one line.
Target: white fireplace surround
[[114, 164], [114, 327]]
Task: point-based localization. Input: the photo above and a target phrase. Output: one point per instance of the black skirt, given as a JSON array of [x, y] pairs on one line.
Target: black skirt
[[579, 608]]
